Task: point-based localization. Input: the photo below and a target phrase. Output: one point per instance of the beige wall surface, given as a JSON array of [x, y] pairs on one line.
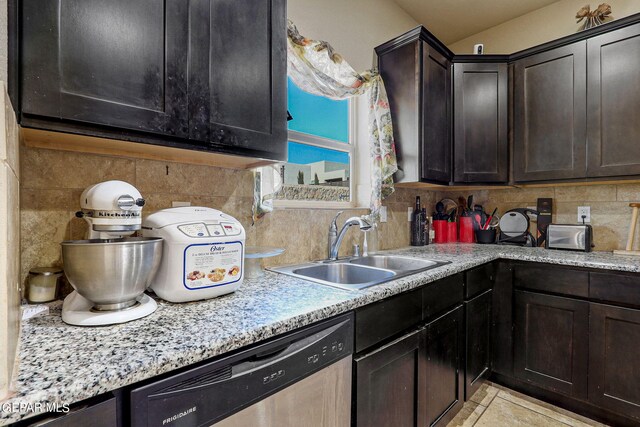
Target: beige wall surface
[[352, 27], [9, 241], [610, 211], [537, 27], [52, 182]]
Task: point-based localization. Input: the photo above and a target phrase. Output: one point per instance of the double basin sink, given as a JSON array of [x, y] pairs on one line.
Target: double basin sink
[[359, 272]]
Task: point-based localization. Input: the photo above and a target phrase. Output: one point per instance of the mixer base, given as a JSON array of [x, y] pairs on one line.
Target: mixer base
[[77, 310]]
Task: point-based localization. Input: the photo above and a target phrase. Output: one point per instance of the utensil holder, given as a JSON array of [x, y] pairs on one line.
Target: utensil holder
[[486, 236], [452, 232], [441, 231], [466, 230]]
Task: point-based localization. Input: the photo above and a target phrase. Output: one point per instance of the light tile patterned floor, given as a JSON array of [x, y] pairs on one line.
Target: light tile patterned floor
[[496, 406]]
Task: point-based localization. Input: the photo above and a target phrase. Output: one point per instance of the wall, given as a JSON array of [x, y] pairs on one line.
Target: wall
[[9, 241], [610, 211], [52, 182], [537, 27], [3, 41]]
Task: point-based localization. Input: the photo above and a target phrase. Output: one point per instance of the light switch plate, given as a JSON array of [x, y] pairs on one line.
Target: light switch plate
[[180, 204], [409, 213], [383, 214]]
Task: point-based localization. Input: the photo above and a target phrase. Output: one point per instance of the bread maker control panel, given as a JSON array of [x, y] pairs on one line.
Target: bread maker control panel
[[201, 230]]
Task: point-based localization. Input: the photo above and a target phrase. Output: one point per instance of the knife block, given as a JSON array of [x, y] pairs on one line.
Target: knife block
[[632, 232]]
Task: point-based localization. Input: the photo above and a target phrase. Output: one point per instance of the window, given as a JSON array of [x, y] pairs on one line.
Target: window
[[320, 163]]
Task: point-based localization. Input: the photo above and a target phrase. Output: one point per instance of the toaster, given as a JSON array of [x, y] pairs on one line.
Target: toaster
[[571, 237]]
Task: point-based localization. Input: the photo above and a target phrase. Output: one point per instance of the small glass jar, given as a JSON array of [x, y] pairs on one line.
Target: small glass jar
[[43, 284]]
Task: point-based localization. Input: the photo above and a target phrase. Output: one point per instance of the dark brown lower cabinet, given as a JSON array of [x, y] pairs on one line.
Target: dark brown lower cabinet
[[552, 342], [444, 355], [389, 384], [477, 342], [614, 370]]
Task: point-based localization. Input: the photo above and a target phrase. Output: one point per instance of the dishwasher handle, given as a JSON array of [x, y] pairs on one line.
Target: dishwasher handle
[[249, 366]]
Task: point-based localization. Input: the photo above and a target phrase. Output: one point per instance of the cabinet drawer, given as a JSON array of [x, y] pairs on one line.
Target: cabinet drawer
[[478, 280], [382, 320], [615, 287], [442, 295], [557, 280]]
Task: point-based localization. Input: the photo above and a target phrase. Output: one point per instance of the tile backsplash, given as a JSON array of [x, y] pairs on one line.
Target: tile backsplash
[[52, 182], [610, 211], [9, 242]]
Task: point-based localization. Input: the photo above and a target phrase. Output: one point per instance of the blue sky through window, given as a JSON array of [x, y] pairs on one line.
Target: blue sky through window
[[305, 154], [317, 115]]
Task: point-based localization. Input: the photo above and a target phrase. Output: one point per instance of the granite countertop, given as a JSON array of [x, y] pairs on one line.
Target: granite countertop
[[63, 364]]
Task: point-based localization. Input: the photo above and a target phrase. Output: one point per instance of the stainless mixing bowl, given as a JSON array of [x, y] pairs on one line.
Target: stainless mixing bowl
[[111, 273]]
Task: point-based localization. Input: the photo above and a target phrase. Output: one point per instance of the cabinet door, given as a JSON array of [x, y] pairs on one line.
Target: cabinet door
[[389, 384], [550, 115], [478, 342], [436, 116], [614, 101], [552, 342], [614, 346], [399, 68], [444, 354], [502, 320], [118, 63], [237, 76], [481, 123]]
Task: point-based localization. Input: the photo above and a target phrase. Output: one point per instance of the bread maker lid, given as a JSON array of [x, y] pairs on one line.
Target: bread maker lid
[[189, 214]]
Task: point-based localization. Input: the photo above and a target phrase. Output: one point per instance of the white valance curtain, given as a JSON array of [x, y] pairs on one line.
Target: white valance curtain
[[316, 68]]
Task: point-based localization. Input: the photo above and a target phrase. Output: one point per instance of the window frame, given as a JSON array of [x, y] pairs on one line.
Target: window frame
[[322, 142]]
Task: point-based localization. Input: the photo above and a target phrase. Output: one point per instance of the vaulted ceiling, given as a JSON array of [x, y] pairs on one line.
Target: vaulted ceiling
[[453, 20]]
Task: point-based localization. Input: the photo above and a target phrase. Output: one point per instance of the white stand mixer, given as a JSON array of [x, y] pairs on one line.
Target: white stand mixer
[[110, 271]]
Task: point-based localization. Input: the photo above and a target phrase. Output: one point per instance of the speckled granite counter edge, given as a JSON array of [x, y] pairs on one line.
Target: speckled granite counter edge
[[186, 356]]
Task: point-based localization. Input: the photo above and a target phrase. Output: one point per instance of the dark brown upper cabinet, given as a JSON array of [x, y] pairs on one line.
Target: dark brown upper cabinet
[[481, 145], [237, 82], [416, 70], [549, 113], [119, 63], [166, 72], [436, 116], [613, 81]]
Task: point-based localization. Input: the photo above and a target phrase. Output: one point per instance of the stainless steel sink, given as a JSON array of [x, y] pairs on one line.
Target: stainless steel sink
[[347, 275], [359, 272], [397, 263]]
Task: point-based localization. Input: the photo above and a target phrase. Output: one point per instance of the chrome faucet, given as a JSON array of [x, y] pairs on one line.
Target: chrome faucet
[[334, 243], [333, 233]]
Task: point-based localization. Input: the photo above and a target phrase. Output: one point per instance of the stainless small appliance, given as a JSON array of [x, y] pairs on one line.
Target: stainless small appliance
[[302, 378], [578, 237], [514, 228], [110, 271]]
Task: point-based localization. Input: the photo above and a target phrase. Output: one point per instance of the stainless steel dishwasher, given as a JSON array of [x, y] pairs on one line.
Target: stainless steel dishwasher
[[300, 379]]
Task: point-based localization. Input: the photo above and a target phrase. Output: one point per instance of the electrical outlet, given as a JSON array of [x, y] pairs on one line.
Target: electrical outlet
[[383, 214], [586, 212], [409, 213]]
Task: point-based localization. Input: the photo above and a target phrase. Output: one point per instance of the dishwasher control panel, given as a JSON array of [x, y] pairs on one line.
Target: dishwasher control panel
[[193, 398]]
